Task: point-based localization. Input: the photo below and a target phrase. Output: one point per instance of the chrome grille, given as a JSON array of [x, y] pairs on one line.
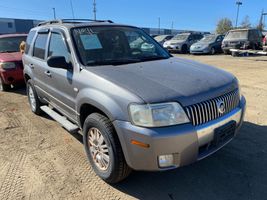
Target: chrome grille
[[206, 111]]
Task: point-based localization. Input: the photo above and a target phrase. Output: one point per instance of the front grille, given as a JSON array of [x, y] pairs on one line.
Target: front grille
[[206, 111]]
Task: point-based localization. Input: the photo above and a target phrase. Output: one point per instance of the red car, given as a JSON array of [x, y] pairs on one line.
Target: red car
[[11, 68], [265, 43]]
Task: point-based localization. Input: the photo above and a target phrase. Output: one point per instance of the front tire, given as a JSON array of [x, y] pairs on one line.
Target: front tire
[[212, 51], [103, 149], [184, 49], [4, 87], [33, 99]]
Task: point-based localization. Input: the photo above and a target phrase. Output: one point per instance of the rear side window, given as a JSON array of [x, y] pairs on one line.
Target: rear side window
[[39, 45], [29, 41]]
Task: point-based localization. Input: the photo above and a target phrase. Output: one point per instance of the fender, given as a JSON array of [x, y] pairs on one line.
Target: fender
[[105, 103]]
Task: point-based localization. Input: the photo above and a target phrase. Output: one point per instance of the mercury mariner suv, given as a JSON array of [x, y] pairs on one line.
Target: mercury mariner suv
[[137, 110]]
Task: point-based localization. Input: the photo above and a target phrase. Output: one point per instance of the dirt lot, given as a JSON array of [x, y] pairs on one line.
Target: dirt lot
[[40, 160]]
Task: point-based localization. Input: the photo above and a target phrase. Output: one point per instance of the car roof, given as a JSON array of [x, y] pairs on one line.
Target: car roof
[[242, 29], [13, 35], [76, 23]]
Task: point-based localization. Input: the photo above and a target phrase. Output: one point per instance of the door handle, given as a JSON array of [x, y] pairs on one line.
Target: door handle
[[31, 66], [48, 73]]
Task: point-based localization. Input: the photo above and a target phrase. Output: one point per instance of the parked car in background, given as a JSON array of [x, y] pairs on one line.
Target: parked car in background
[[210, 44], [140, 110], [11, 68], [182, 42], [154, 35], [242, 39], [163, 38], [265, 43]]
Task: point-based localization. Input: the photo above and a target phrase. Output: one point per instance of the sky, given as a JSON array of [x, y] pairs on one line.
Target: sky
[[184, 14]]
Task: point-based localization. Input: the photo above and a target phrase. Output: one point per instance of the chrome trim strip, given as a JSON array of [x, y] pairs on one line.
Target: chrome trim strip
[[205, 132]]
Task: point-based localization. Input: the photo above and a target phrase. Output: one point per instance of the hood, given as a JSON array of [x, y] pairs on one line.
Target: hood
[[174, 79], [203, 43], [176, 41], [10, 57]]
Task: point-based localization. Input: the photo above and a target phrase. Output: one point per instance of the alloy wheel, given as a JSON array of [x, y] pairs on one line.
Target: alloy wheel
[[98, 149]]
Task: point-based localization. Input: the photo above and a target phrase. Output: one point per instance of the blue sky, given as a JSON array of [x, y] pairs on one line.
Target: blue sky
[[185, 14]]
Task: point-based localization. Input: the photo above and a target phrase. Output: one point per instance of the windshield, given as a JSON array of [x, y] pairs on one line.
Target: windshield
[[180, 37], [208, 38], [11, 44], [108, 45], [237, 35]]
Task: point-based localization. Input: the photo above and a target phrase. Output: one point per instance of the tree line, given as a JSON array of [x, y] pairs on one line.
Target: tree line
[[225, 24]]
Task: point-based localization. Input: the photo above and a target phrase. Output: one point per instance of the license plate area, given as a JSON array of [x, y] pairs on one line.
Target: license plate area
[[224, 133]]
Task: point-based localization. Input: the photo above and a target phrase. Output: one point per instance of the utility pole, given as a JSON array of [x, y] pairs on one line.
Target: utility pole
[[262, 21], [72, 10], [54, 12], [94, 9], [172, 27], [238, 3], [159, 25]]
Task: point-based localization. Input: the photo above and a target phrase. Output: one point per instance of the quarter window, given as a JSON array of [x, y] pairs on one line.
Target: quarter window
[[39, 46], [57, 46], [29, 41]]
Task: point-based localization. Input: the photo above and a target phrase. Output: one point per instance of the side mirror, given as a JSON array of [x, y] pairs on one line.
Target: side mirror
[[58, 62]]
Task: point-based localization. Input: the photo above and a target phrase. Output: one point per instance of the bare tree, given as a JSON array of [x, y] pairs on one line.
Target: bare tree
[[246, 22], [224, 25]]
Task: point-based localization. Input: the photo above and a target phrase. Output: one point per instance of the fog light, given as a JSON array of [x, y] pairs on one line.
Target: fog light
[[166, 160]]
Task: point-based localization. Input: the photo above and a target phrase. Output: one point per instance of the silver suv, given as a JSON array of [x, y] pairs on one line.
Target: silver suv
[[137, 109]]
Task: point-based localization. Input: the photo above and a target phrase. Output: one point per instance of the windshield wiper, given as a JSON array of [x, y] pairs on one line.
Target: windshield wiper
[[7, 51], [112, 62], [150, 58]]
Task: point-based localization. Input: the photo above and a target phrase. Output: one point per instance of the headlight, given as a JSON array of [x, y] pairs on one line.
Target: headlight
[[8, 65], [157, 115]]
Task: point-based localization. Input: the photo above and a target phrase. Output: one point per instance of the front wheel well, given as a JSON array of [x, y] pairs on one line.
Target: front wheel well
[[86, 110], [26, 78]]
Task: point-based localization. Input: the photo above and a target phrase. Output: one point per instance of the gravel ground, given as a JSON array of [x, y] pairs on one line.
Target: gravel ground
[[40, 160]]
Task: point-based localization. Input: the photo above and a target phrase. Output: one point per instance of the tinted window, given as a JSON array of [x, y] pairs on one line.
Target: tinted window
[[39, 46], [57, 46], [29, 41], [11, 44]]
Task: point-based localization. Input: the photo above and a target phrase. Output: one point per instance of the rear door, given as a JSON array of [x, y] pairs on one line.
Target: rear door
[[38, 63]]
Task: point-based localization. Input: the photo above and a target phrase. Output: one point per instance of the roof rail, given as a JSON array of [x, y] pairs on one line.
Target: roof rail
[[62, 21], [58, 21]]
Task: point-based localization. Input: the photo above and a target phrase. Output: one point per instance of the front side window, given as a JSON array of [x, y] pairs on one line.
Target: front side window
[[40, 45], [11, 44], [57, 46], [107, 45]]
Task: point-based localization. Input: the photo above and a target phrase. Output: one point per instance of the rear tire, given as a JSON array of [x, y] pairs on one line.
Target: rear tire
[[103, 149], [33, 99], [4, 87]]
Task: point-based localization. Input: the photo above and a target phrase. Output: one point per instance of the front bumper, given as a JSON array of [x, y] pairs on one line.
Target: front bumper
[[172, 47], [184, 142], [13, 76], [199, 51]]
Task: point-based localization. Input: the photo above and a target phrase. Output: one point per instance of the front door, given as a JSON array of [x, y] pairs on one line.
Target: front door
[[61, 84]]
